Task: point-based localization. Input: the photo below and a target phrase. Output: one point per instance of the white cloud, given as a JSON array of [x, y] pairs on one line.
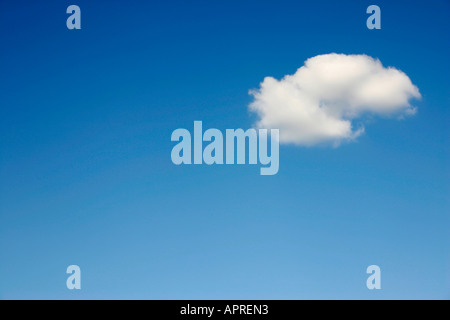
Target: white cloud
[[320, 101]]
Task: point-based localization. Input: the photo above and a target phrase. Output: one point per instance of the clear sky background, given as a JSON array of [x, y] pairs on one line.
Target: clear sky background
[[86, 176]]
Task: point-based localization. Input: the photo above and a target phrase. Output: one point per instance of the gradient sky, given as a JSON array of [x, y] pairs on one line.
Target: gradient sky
[[86, 176]]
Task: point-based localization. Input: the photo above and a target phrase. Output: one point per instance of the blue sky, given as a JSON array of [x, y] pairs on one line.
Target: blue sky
[[86, 176]]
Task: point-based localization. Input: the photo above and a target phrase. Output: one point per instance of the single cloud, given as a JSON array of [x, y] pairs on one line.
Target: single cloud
[[320, 101]]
